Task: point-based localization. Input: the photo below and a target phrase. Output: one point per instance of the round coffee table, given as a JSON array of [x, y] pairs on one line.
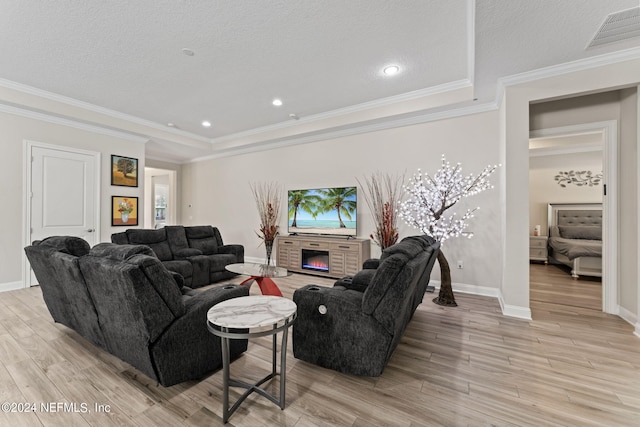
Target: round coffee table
[[260, 273], [261, 316]]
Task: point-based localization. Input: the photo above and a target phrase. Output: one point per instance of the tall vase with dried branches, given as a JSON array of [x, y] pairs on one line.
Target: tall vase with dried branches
[[267, 197], [382, 194]]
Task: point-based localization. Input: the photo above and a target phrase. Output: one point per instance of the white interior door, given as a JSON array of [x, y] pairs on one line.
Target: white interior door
[[63, 199]]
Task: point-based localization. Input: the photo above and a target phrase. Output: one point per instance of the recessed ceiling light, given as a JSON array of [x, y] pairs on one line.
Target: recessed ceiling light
[[171, 125], [188, 52], [206, 123], [277, 102], [391, 70]]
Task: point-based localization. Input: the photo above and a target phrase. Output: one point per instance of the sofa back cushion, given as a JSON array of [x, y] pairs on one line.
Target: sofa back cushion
[[205, 238], [120, 238], [71, 245], [55, 263], [390, 296], [392, 260], [120, 252], [155, 239], [177, 238], [136, 300]]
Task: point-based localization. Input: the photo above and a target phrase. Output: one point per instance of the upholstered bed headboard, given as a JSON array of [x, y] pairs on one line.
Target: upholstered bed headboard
[[585, 217], [579, 217]]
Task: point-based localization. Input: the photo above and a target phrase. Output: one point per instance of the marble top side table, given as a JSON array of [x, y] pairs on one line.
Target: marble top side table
[[261, 316]]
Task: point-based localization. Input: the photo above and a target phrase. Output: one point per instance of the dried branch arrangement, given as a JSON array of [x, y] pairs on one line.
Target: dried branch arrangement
[[382, 194], [267, 197]]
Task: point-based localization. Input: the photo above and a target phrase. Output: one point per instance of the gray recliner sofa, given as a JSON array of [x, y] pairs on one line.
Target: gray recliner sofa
[[123, 299], [197, 253], [354, 326]]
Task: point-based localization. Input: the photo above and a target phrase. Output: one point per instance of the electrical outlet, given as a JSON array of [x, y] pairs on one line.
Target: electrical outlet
[[460, 264]]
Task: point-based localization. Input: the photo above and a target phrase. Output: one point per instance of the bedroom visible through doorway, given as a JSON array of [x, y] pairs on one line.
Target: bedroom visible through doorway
[[566, 168]]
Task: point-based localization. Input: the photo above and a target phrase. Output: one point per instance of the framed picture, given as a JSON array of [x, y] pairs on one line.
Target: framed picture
[[124, 211], [124, 171]]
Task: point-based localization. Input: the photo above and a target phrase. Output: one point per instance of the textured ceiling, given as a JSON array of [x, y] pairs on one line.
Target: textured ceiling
[[317, 56]]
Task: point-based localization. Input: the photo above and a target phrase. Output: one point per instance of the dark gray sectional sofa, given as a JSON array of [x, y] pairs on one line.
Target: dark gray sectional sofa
[[124, 300], [197, 253], [355, 326]]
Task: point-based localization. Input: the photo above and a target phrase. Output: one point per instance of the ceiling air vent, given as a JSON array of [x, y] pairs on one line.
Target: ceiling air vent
[[618, 26]]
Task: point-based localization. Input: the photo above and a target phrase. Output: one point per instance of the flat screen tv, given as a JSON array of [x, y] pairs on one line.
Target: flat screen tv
[[323, 211]]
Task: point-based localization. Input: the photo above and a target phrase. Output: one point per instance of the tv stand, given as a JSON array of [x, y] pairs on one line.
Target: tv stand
[[334, 257]]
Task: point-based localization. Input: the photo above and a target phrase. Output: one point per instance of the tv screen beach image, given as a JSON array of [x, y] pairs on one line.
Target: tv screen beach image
[[323, 211]]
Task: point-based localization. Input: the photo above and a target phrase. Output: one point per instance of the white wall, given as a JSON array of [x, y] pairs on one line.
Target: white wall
[[14, 130], [217, 191], [544, 189]]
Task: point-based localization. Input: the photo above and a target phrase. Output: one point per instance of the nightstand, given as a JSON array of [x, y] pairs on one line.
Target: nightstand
[[538, 248]]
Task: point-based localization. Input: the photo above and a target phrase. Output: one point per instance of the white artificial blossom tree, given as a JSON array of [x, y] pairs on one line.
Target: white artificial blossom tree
[[429, 197]]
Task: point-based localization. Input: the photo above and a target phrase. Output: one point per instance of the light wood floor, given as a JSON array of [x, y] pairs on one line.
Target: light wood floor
[[553, 284], [462, 366]]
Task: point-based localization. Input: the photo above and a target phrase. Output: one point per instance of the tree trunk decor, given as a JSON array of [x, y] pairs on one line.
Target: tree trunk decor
[[427, 198], [445, 296]]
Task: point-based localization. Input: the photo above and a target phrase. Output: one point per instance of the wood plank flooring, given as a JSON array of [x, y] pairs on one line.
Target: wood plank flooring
[[462, 366], [553, 284]]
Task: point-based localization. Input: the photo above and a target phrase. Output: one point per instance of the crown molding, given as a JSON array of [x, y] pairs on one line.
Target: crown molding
[[566, 68], [365, 106], [48, 118], [352, 130], [555, 151], [8, 84]]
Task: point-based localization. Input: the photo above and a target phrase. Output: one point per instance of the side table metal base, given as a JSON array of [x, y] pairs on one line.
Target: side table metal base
[[227, 382]]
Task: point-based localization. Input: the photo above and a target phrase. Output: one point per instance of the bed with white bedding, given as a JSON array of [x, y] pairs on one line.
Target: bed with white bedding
[[575, 237]]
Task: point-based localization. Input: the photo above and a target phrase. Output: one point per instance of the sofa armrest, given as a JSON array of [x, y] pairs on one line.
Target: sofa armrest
[[361, 279], [237, 250], [186, 349], [186, 253], [371, 263], [178, 278], [332, 331]]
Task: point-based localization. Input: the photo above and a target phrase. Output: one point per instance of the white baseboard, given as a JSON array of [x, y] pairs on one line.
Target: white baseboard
[[11, 286], [515, 310], [628, 316], [507, 310], [470, 289]]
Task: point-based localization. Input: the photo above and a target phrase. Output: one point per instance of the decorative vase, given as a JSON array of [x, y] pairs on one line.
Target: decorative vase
[[124, 216], [268, 244]]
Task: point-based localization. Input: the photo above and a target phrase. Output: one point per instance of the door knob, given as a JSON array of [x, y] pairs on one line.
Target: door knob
[[91, 230]]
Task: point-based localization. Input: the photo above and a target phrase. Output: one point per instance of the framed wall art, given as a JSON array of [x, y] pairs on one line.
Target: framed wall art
[[124, 211], [124, 171]]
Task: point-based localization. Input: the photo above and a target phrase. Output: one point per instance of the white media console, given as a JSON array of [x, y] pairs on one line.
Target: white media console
[[322, 255]]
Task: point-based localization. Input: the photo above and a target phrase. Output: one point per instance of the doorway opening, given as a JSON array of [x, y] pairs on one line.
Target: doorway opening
[[573, 165], [160, 197]]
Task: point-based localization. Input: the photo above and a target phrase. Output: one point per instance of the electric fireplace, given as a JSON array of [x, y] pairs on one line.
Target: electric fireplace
[[315, 260]]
